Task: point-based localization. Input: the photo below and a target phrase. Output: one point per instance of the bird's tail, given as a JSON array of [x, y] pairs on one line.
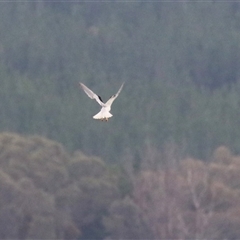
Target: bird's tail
[[102, 115]]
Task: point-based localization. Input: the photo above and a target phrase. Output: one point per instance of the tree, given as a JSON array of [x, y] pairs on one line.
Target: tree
[[190, 199], [48, 193]]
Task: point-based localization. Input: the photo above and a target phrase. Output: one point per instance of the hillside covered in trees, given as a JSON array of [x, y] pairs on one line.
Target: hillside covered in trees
[[180, 62], [49, 193], [166, 166]]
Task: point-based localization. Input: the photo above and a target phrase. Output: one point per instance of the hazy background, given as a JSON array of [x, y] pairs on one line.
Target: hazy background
[[180, 64]]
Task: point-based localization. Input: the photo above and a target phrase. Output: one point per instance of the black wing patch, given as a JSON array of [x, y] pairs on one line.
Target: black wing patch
[[100, 99]]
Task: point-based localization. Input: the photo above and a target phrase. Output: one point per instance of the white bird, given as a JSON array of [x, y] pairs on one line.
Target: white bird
[[104, 113]]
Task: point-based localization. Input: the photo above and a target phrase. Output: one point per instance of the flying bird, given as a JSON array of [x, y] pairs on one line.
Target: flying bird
[[104, 113]]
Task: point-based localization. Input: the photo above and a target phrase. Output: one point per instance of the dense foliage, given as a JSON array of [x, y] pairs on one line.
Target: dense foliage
[[179, 61], [49, 193], [186, 200], [46, 193], [180, 64]]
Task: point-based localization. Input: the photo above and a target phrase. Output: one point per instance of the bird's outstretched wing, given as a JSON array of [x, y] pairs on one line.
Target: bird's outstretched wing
[[112, 98], [92, 95]]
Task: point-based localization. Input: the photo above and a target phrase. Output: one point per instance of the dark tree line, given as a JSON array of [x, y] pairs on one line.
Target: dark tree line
[[179, 61]]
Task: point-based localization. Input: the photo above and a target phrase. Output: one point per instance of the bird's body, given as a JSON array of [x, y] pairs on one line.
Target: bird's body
[[104, 113]]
